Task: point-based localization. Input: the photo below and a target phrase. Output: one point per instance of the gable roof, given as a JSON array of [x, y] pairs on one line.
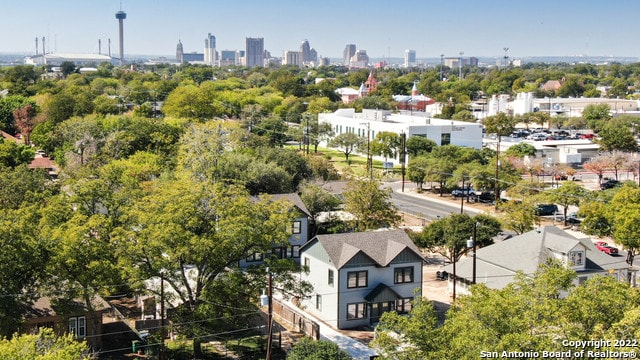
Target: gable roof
[[10, 137], [497, 264], [381, 247], [294, 199], [46, 306]]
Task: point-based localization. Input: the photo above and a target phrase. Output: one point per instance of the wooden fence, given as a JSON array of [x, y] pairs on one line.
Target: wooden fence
[[296, 319]]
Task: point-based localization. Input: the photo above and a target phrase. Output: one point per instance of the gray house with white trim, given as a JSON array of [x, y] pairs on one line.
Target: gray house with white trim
[[358, 276], [497, 264], [299, 234]]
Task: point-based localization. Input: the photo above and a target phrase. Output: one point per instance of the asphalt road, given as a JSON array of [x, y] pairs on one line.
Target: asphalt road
[[421, 206]]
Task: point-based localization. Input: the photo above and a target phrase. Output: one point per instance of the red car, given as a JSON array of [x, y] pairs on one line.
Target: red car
[[604, 247]]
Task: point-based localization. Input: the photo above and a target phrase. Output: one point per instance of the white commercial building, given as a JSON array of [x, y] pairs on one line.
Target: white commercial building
[[369, 123]]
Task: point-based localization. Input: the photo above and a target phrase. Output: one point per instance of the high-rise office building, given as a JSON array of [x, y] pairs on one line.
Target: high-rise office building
[[210, 54], [292, 58], [305, 50], [254, 54], [409, 58], [179, 52], [348, 53]]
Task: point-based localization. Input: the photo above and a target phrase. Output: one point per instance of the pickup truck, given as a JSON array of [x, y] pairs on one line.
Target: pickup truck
[[606, 248], [463, 192]]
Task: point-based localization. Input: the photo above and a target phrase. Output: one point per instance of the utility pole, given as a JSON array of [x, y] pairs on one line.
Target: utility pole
[[441, 65], [403, 154], [162, 316], [269, 313], [308, 137]]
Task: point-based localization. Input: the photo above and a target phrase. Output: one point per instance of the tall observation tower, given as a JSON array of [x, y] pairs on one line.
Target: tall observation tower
[[121, 15]]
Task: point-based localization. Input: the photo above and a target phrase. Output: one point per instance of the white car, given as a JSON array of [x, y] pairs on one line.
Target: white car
[[537, 136]]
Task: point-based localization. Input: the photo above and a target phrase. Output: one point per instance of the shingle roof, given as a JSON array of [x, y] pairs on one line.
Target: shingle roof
[[295, 200], [497, 264], [381, 246]]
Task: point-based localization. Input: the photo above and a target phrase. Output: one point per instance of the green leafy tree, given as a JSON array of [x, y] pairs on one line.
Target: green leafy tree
[[570, 193], [417, 171], [596, 115], [408, 337], [309, 349], [23, 257], [418, 145], [370, 205], [448, 236], [12, 154], [617, 137], [199, 228], [317, 200], [519, 216], [348, 142], [521, 150], [45, 345], [386, 144]]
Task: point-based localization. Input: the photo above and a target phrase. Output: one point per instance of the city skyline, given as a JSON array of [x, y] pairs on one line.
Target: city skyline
[[481, 29]]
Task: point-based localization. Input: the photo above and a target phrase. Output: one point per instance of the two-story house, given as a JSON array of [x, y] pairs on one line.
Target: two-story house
[[69, 317], [299, 234], [497, 264], [358, 276]]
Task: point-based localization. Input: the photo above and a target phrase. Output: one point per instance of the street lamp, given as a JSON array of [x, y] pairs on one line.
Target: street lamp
[[460, 65], [369, 160], [441, 65]]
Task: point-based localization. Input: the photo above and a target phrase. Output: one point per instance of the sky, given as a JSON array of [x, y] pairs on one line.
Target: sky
[[480, 28]]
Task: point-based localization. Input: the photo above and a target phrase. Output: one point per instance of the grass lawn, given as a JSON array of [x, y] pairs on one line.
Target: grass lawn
[[357, 165]]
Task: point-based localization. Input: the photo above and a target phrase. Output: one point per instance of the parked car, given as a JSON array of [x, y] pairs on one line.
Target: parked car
[[573, 220], [485, 197], [587, 136], [606, 248], [609, 184], [537, 136], [463, 192], [546, 209]]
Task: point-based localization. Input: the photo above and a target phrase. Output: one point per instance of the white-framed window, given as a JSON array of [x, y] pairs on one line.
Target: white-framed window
[[356, 311], [356, 279], [330, 278], [296, 227], [295, 251], [319, 302], [254, 257], [576, 258], [78, 327], [403, 275], [403, 306]]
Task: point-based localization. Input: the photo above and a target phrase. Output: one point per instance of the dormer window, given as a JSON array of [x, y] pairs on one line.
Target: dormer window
[[576, 258]]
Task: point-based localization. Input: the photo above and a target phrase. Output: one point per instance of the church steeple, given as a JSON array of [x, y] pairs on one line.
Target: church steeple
[[371, 84]]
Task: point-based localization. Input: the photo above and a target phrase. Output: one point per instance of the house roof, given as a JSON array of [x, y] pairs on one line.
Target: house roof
[[41, 162], [10, 137], [295, 200], [382, 293], [381, 247], [45, 306], [497, 264]]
